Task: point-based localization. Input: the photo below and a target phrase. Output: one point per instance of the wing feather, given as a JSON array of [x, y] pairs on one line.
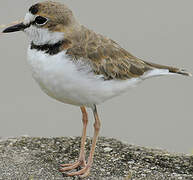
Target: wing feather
[[105, 56]]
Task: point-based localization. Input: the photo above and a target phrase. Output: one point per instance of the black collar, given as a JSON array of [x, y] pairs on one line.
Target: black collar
[[50, 49]]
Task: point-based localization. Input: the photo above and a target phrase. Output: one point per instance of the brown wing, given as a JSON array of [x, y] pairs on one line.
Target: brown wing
[[105, 56], [116, 63]]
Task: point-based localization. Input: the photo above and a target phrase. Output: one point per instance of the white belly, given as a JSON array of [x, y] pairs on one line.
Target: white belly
[[72, 83]]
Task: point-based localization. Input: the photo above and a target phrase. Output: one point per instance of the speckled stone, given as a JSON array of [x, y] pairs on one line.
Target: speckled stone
[[31, 158]]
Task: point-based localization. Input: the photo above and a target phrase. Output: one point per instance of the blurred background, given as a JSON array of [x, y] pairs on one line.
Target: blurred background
[[158, 113]]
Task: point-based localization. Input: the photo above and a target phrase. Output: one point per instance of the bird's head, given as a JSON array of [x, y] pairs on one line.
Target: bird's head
[[46, 23]]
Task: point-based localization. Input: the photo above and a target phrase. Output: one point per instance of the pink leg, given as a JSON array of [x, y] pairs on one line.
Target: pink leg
[[86, 170], [81, 159]]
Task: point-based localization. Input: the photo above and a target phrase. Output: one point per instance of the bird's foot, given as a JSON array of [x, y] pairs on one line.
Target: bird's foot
[[84, 172], [75, 165]]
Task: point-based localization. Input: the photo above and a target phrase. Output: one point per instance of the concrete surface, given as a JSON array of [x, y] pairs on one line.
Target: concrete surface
[[34, 158]]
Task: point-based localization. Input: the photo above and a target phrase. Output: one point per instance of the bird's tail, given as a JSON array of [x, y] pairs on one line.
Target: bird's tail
[[171, 69]]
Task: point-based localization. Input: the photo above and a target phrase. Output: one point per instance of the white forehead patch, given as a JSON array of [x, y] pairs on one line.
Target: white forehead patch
[[29, 17]]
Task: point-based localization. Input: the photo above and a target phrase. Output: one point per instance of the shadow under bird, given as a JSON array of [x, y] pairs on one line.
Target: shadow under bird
[[77, 66]]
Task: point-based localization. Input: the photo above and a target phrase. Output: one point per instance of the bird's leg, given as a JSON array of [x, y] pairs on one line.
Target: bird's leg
[[81, 160], [86, 170]]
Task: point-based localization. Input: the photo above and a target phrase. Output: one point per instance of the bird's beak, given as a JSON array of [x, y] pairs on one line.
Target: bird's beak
[[14, 28]]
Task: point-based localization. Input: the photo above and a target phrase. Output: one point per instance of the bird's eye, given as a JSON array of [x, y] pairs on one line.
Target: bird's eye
[[39, 20]]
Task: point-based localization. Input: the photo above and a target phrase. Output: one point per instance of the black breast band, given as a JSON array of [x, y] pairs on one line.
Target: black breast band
[[50, 49]]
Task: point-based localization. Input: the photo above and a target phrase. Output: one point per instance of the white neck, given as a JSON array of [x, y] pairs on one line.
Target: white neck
[[41, 36]]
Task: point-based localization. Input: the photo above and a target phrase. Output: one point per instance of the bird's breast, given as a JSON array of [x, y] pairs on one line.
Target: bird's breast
[[70, 81]]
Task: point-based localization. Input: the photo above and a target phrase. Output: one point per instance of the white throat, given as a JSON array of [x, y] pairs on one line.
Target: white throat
[[41, 36]]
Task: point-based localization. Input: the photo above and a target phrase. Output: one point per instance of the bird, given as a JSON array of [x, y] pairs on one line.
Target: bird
[[80, 67]]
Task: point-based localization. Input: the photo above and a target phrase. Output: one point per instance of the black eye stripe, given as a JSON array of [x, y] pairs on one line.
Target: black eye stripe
[[39, 20]]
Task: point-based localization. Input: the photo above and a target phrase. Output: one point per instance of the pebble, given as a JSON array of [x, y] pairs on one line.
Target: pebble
[[108, 149]]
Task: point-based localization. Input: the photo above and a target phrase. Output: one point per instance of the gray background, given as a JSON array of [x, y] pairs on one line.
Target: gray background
[[158, 113]]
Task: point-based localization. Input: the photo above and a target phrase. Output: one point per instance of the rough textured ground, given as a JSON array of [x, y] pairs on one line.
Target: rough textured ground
[[27, 158]]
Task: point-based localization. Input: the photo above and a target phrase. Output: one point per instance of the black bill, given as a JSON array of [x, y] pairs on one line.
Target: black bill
[[17, 27]]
